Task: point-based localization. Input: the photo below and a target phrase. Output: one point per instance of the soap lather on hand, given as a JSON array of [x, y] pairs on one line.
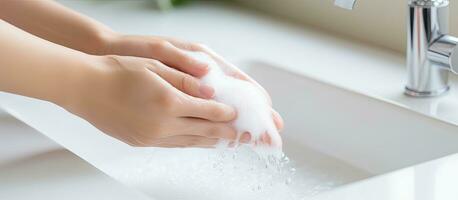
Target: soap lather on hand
[[254, 113]]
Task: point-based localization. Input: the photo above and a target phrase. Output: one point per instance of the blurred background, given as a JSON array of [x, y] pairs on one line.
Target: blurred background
[[381, 22]]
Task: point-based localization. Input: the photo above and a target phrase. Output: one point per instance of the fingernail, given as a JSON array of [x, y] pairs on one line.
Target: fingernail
[[246, 137], [206, 91], [266, 139]]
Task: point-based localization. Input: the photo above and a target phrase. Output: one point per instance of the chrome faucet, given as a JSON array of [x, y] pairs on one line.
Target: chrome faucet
[[431, 52]]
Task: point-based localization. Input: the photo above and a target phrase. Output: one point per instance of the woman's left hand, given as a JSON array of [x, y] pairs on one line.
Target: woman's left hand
[[157, 48]]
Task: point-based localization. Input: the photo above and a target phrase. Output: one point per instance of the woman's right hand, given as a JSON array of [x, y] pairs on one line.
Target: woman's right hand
[[142, 102], [171, 51]]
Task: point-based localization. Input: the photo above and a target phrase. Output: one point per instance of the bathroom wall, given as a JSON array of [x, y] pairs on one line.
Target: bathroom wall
[[381, 22]]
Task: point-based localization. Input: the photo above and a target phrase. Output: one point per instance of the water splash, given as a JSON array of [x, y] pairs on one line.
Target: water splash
[[220, 174]]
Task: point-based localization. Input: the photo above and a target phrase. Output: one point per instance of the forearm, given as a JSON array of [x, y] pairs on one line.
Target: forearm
[[37, 68], [56, 23]]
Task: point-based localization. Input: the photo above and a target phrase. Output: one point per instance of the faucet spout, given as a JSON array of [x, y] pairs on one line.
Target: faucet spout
[[347, 4], [431, 52]]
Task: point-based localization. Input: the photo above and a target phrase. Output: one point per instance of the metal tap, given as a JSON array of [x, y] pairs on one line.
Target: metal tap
[[431, 52]]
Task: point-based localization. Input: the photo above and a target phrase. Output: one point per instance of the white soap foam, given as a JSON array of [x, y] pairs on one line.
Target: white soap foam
[[254, 113]]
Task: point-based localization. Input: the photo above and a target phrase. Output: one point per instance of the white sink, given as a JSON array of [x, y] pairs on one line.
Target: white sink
[[332, 136], [34, 167]]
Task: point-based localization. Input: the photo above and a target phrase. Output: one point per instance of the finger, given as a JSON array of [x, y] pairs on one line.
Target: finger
[[205, 128], [278, 121], [185, 45], [230, 69], [183, 82], [187, 141], [206, 109], [178, 59], [265, 138]]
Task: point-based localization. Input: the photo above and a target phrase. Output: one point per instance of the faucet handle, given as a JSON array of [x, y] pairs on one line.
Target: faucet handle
[[347, 4], [445, 51]]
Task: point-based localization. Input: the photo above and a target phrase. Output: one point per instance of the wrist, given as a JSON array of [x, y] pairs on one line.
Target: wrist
[[106, 43], [77, 81]]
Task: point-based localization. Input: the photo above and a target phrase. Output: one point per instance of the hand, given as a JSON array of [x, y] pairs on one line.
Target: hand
[[170, 51], [140, 101], [152, 47]]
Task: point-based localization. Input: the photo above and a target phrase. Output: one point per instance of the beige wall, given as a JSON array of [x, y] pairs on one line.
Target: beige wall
[[381, 22]]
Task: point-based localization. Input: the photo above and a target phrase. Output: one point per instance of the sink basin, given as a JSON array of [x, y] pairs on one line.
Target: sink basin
[[34, 167], [332, 137]]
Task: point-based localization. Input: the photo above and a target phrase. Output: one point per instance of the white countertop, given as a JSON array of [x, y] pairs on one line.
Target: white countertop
[[242, 35]]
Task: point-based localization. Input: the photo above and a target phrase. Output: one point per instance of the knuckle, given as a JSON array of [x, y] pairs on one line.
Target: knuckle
[[161, 44], [169, 102], [154, 65], [165, 96], [183, 81], [213, 131], [188, 83], [156, 62]]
